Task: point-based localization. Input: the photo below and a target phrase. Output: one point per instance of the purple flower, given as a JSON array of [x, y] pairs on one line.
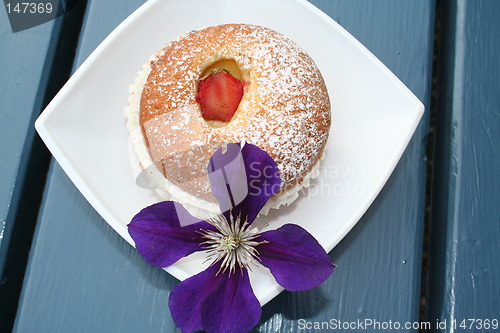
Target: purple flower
[[220, 298]]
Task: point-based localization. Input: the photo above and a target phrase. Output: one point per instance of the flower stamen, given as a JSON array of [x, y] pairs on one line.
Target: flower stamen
[[232, 244]]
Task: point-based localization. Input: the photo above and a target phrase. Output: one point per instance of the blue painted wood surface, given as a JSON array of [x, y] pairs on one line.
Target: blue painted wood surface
[[24, 67], [464, 266], [82, 277], [25, 64]]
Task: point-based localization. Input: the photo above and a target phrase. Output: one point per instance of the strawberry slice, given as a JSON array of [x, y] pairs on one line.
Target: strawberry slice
[[219, 95]]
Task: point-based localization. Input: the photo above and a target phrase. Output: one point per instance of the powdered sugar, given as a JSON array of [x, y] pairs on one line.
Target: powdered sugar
[[285, 109]]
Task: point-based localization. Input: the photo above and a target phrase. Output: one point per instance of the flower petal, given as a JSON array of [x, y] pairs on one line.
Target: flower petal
[[232, 307], [187, 298], [159, 236], [295, 258], [243, 179]]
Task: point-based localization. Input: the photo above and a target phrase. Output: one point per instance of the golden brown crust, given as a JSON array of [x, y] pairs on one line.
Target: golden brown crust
[[285, 109]]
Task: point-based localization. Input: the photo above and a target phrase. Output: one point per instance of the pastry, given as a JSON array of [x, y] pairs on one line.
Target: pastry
[[227, 83]]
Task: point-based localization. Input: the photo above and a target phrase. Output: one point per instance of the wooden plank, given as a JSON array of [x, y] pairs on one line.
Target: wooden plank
[[26, 62], [82, 277], [24, 74], [464, 266]]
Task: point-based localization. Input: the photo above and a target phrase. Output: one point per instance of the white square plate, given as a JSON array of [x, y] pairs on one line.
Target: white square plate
[[374, 117]]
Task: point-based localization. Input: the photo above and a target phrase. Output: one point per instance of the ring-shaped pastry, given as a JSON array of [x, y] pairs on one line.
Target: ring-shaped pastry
[[285, 110]]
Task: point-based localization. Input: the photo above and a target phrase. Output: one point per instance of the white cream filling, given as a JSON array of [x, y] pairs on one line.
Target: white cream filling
[[166, 189]]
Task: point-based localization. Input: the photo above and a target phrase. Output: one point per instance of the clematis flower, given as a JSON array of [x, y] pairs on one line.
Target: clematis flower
[[220, 298]]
